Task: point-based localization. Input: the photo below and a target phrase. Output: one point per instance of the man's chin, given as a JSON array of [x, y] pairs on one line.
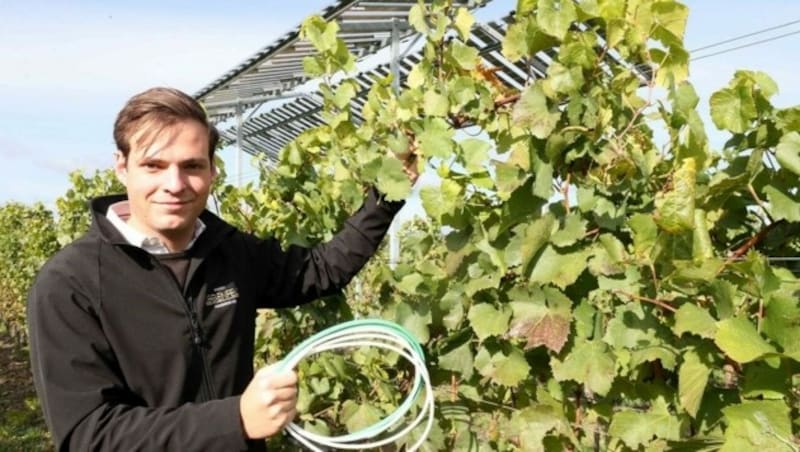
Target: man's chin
[[176, 227]]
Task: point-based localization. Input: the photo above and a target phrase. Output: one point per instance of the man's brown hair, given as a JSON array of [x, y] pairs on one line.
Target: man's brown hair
[[148, 113]]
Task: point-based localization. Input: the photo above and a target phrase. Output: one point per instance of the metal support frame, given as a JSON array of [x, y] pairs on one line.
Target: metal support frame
[[239, 105], [394, 239], [239, 144]]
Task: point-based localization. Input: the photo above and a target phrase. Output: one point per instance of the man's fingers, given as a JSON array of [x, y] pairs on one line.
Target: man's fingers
[[270, 377], [283, 395]]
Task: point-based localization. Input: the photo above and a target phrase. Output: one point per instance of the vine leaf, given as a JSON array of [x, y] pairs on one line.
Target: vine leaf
[[531, 112], [645, 235], [476, 152], [463, 22], [435, 140], [415, 319], [692, 380], [732, 109], [574, 229], [486, 320], [758, 425], [782, 205], [675, 207], [788, 152], [738, 338], [693, 319], [507, 369], [465, 56], [637, 429], [531, 424], [782, 323], [359, 416], [562, 270], [556, 16], [550, 330], [392, 181], [435, 104], [589, 363], [528, 240], [460, 360], [442, 200]]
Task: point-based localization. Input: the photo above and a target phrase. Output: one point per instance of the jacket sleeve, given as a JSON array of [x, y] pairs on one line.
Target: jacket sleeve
[[298, 275], [84, 397]]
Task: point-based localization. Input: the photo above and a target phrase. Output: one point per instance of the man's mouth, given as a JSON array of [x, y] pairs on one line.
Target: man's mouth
[[173, 204]]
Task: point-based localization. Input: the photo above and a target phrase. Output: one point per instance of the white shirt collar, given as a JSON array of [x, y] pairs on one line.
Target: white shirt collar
[[118, 214]]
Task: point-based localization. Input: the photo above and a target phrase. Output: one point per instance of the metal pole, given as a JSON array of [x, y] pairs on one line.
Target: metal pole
[[394, 239], [239, 144]]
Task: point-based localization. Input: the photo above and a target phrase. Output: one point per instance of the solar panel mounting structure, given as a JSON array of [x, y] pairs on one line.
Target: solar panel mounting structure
[[276, 72]]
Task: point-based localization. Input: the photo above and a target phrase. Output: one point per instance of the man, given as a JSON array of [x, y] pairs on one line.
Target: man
[[142, 330]]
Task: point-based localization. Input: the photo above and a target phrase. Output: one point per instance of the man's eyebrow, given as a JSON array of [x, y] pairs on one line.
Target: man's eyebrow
[[191, 161], [195, 161]]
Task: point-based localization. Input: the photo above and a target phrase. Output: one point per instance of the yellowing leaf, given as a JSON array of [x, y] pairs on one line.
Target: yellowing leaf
[[549, 330], [464, 55], [435, 103], [463, 22], [675, 207], [515, 41]]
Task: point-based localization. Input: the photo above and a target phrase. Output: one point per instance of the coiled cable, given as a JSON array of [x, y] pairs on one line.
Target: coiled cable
[[368, 333]]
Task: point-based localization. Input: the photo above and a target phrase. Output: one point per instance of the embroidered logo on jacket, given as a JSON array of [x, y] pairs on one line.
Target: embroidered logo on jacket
[[223, 296]]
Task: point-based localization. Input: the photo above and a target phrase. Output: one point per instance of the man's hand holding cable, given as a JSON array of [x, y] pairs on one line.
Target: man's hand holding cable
[[269, 403]]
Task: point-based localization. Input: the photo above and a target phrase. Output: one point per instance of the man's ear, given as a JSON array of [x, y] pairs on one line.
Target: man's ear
[[121, 167]]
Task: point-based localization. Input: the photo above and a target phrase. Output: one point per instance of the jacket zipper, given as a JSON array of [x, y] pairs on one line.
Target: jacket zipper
[[198, 341]]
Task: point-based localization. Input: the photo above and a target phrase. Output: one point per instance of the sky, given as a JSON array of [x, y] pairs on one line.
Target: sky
[[66, 68]]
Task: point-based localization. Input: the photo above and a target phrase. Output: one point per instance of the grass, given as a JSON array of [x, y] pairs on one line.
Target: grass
[[22, 427]]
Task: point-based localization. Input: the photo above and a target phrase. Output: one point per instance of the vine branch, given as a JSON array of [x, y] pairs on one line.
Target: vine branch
[[660, 303], [754, 240]]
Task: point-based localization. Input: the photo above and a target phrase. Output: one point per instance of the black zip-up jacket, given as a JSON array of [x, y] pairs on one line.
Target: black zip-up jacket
[[123, 359]]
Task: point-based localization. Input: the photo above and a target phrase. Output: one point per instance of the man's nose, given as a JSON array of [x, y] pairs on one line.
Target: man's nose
[[175, 179]]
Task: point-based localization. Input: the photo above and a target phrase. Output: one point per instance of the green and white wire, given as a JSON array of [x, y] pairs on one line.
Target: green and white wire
[[368, 333]]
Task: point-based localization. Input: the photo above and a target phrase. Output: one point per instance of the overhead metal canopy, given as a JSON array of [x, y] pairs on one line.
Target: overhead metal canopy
[[366, 26], [267, 133]]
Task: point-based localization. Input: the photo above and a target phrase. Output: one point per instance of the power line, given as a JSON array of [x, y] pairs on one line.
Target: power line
[[751, 44], [736, 38]]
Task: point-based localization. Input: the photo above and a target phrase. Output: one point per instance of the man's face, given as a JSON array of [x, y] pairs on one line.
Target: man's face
[[168, 182]]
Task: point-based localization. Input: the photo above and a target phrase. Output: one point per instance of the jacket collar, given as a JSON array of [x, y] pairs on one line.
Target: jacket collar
[[216, 228]]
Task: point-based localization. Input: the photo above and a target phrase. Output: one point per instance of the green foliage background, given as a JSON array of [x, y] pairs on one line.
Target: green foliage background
[[591, 274]]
